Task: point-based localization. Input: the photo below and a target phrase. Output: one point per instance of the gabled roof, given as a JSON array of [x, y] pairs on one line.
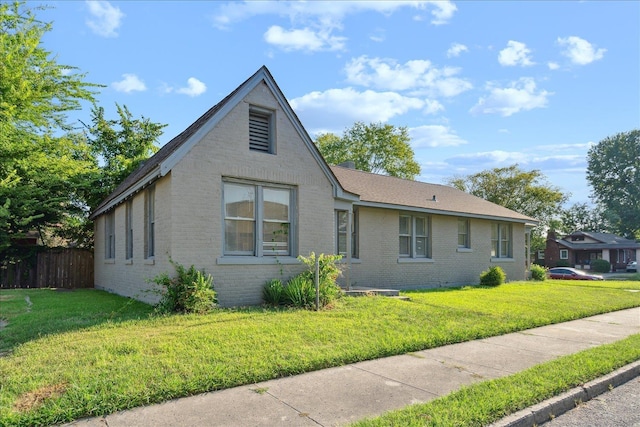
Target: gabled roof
[[390, 192], [161, 163], [603, 241]]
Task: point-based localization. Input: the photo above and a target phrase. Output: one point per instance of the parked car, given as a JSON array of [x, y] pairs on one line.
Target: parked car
[[567, 273], [632, 267]]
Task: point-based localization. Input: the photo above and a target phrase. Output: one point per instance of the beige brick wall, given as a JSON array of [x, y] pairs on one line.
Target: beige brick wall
[[379, 265]]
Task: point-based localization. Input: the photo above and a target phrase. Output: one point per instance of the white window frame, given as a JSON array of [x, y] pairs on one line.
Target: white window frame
[[501, 235], [466, 236], [412, 236], [341, 232], [262, 130], [260, 246], [110, 235], [129, 229], [150, 222], [564, 253]]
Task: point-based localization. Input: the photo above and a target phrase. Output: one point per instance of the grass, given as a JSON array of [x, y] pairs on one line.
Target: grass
[[88, 353], [486, 402]]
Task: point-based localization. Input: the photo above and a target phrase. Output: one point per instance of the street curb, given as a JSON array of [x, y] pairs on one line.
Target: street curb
[[551, 408]]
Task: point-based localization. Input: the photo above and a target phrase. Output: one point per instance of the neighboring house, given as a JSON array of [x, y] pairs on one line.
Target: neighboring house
[[580, 248], [243, 191]]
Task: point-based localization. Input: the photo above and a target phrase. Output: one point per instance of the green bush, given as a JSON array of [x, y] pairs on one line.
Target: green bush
[[273, 292], [563, 263], [538, 272], [191, 291], [494, 276], [300, 292], [601, 265]]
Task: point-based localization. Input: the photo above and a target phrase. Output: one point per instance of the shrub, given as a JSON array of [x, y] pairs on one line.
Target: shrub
[[300, 292], [601, 265], [538, 272], [562, 263], [494, 276], [191, 291], [273, 292]]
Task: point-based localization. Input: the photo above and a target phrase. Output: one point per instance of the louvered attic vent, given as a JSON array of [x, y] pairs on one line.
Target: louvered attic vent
[[260, 135]]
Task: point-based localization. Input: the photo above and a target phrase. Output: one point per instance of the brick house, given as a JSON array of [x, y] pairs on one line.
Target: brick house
[[243, 191], [580, 248]]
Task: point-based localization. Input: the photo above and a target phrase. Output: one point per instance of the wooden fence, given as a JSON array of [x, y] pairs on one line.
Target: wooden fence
[[53, 268]]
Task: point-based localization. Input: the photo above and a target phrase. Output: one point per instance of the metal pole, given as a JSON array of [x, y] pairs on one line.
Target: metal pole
[[317, 282]]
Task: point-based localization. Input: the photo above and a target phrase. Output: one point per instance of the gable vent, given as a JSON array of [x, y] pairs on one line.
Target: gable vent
[[260, 132]]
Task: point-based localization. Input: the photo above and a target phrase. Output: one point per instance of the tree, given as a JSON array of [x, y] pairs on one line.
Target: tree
[[526, 192], [581, 217], [377, 148], [613, 171], [38, 168]]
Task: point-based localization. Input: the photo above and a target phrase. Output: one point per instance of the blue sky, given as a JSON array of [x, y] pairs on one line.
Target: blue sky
[[479, 84]]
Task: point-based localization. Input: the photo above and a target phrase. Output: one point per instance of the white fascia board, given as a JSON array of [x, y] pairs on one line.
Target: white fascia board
[[441, 212], [140, 184]]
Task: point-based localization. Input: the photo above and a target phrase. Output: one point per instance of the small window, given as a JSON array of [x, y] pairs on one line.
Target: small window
[[463, 233], [501, 241], [564, 254], [414, 236], [110, 237], [129, 229], [341, 232], [150, 222], [540, 254], [261, 130]]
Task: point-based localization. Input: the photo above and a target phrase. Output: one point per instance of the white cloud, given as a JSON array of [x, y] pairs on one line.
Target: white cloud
[[516, 53], [105, 18], [580, 51], [303, 39], [342, 107], [386, 74], [553, 65], [498, 158], [456, 49], [521, 95], [129, 83], [434, 136], [194, 87]]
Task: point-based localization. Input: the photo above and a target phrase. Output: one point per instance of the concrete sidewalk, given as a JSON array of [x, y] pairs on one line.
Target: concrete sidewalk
[[345, 394]]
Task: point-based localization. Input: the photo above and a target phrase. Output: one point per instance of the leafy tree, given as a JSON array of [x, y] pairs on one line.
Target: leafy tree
[[526, 192], [38, 168], [613, 171], [582, 217], [377, 148]]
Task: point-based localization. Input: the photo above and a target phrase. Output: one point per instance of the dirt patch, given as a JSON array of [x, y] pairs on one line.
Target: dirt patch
[[6, 297], [35, 398]]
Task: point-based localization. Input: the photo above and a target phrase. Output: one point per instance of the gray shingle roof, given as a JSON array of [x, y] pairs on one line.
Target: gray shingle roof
[[604, 241], [387, 190]]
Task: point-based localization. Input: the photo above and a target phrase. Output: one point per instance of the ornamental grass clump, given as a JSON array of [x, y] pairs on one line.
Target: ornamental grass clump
[[494, 276], [191, 291]]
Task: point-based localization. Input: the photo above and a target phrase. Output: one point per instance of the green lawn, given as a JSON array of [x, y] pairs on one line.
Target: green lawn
[[87, 353]]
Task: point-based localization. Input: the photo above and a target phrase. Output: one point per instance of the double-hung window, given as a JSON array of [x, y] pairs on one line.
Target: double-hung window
[[414, 236], [150, 222], [110, 235], [501, 240], [257, 219], [463, 233], [342, 218], [129, 229]]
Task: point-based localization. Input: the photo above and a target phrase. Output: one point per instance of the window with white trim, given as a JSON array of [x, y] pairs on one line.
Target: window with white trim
[[564, 254], [261, 130], [463, 233], [341, 232], [501, 240], [150, 222], [110, 235], [129, 229], [258, 219], [414, 236]]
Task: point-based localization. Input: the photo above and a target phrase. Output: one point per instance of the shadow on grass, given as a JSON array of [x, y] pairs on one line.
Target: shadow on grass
[[28, 314]]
